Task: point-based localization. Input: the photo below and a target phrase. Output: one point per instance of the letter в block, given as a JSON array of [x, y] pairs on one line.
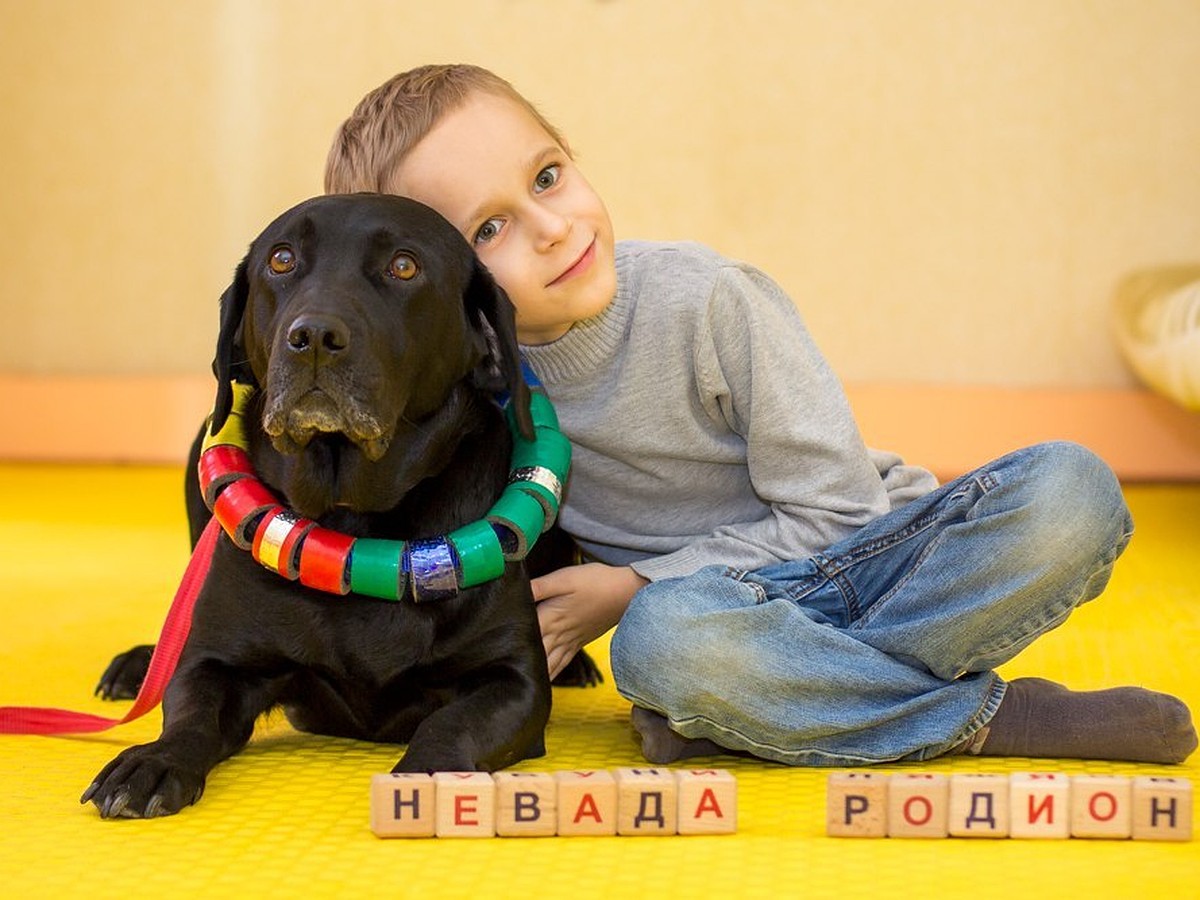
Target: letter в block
[[526, 804], [587, 802], [856, 804], [1040, 805], [707, 801], [466, 804], [403, 804], [918, 805], [1162, 809], [647, 802], [1101, 806], [979, 806]]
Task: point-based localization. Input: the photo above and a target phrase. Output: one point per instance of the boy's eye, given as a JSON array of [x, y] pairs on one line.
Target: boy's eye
[[487, 231], [546, 178]]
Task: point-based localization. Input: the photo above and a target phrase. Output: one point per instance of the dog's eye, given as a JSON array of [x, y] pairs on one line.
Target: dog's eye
[[282, 261], [402, 266]]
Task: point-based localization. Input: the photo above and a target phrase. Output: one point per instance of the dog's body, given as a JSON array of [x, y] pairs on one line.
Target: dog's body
[[376, 343]]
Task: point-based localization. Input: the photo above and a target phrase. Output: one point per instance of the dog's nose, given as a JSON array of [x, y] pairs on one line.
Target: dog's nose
[[320, 334]]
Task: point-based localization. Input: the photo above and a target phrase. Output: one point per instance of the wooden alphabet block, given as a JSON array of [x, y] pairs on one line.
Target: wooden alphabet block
[[707, 801], [918, 805], [466, 804], [1040, 805], [647, 802], [1162, 809], [1101, 806], [979, 806], [856, 804], [587, 802], [526, 804], [403, 804]]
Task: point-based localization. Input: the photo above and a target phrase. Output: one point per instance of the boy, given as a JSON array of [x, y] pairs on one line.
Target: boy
[[780, 589]]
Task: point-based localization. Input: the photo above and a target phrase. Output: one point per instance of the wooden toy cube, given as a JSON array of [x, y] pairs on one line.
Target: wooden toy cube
[[918, 805], [1101, 806], [1040, 805], [647, 802], [1162, 809], [587, 802], [466, 804], [707, 801], [856, 804], [526, 804], [403, 804], [979, 805]]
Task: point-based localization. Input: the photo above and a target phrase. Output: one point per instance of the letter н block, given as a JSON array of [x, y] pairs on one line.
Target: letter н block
[[403, 804]]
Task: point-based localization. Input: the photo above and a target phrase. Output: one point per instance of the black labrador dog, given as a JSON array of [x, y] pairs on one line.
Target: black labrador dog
[[376, 343]]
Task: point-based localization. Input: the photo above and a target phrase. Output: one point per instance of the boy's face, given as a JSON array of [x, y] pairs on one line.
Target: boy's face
[[531, 216]]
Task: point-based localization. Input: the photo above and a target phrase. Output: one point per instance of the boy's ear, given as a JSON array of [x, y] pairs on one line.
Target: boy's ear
[[230, 362], [492, 316]]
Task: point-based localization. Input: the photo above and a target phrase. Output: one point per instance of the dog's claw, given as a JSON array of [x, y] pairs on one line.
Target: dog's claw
[[115, 805], [90, 792], [155, 807]]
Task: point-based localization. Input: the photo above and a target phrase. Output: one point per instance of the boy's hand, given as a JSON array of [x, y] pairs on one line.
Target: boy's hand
[[578, 604]]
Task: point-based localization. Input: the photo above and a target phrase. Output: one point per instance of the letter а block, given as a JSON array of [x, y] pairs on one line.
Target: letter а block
[[402, 805], [979, 805], [587, 802], [1100, 806], [466, 804], [526, 804], [1162, 809], [918, 805], [647, 802], [856, 804], [707, 801], [1040, 805]]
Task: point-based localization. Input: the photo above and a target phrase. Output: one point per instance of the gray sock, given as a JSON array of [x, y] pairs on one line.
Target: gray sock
[[661, 745]]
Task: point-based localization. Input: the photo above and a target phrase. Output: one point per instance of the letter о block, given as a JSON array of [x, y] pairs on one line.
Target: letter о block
[[1040, 805], [979, 805], [856, 804], [587, 802], [647, 802], [918, 805], [707, 801], [1100, 806], [403, 804], [526, 804], [1162, 809], [466, 804]]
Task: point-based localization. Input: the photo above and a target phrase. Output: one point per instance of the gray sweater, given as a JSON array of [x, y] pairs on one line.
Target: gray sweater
[[706, 426]]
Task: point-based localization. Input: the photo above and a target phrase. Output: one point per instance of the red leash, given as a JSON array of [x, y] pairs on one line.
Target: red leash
[[35, 720]]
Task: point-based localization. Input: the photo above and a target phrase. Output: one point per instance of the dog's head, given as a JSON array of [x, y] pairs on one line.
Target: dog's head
[[357, 317]]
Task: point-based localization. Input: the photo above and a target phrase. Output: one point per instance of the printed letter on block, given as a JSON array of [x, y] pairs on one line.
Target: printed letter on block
[[979, 806], [1100, 806], [466, 804], [1162, 809], [402, 805], [647, 802], [856, 805], [707, 801], [587, 802], [526, 804], [1040, 805], [918, 805]]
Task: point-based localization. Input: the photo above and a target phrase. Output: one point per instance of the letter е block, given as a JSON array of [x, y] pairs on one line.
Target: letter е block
[[1040, 805], [707, 801], [1162, 809], [587, 802], [1100, 806], [526, 804], [402, 805], [647, 802], [918, 805], [979, 805], [466, 804], [856, 804]]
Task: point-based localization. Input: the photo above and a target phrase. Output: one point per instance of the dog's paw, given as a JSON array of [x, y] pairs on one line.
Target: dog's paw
[[124, 676], [142, 783], [581, 671]]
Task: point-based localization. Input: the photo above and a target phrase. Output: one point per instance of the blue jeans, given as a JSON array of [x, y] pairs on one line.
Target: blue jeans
[[882, 647]]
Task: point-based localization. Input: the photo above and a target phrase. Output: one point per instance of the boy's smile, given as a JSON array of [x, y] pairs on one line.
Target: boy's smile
[[516, 195]]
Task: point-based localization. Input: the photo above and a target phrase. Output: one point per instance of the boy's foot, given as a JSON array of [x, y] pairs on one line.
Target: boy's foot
[[661, 745], [1041, 718]]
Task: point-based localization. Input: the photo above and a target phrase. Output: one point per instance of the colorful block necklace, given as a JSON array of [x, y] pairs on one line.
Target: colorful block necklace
[[434, 568]]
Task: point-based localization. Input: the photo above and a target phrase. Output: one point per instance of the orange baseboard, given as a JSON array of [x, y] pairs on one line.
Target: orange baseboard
[[948, 429]]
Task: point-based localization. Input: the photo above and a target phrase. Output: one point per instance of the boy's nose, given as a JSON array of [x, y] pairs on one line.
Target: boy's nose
[[552, 228]]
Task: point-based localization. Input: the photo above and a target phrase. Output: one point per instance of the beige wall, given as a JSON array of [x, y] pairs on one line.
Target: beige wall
[[950, 189]]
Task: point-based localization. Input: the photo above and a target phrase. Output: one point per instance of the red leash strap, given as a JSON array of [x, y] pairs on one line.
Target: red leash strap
[[35, 720]]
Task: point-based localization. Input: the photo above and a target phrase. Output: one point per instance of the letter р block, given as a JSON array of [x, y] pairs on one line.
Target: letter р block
[[1040, 805], [1162, 809], [707, 801], [466, 804], [403, 804], [1100, 806], [526, 804], [979, 805], [587, 802], [647, 802], [856, 804], [918, 805]]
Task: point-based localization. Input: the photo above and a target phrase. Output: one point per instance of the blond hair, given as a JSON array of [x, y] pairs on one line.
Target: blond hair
[[389, 121]]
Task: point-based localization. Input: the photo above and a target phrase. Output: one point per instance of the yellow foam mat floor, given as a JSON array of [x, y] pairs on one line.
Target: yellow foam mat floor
[[90, 557]]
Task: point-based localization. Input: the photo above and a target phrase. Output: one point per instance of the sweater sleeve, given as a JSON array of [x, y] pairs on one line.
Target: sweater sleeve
[[758, 370]]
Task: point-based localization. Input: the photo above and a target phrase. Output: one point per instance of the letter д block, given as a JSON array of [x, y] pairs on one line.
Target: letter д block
[[856, 804], [707, 801], [403, 804], [526, 804], [587, 802], [647, 802], [1162, 809], [1040, 805], [918, 805], [466, 804], [979, 805]]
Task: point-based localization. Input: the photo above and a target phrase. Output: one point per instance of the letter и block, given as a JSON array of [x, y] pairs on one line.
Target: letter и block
[[1040, 805]]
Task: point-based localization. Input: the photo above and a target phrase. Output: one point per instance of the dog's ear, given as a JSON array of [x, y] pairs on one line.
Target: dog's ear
[[230, 363], [491, 314]]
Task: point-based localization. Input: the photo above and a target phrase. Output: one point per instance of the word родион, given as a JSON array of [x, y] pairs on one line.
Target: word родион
[[1025, 805], [638, 802]]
